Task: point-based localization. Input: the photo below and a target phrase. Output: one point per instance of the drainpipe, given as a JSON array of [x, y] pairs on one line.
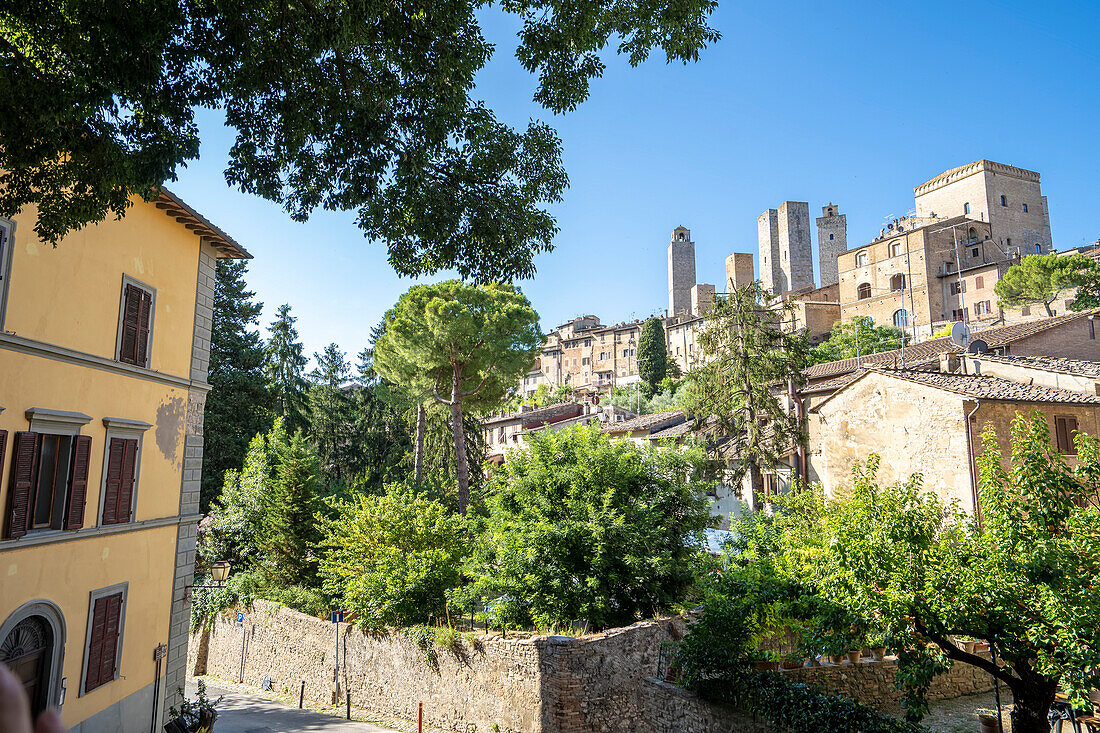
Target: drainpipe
[[970, 461]]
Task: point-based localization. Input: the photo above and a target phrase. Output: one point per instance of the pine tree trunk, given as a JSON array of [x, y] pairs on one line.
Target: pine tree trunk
[[418, 454], [1049, 311], [756, 480], [462, 467]]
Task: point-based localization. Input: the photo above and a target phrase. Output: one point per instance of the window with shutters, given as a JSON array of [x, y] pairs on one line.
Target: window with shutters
[[135, 322], [103, 650], [49, 483], [1065, 431], [5, 265], [119, 480]]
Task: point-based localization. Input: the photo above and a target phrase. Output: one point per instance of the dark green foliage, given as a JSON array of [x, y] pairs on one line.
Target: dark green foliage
[[1087, 281], [652, 355], [238, 405], [393, 557], [340, 104], [385, 436], [581, 528], [858, 337], [1042, 278], [748, 347], [289, 526], [333, 420], [284, 363]]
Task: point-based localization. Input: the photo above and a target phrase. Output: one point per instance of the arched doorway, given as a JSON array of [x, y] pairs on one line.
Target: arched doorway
[[32, 641]]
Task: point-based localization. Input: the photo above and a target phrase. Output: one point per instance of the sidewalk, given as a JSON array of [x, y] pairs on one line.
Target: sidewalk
[[243, 713]]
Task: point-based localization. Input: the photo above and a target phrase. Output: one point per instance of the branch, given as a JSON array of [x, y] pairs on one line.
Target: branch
[[439, 397], [954, 653], [481, 384]]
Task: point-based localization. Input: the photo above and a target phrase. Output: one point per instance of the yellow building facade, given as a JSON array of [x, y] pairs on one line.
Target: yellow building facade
[[104, 353]]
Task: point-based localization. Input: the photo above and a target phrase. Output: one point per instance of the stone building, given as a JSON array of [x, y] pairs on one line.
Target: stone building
[[681, 271], [816, 310], [832, 241], [920, 274], [931, 423], [702, 298], [786, 262], [739, 270], [1008, 198]]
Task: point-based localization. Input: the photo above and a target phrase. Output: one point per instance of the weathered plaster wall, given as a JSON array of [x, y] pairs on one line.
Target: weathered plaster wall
[[914, 429]]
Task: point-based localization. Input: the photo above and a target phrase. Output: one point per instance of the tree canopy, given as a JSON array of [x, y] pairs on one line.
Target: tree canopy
[[284, 364], [466, 345], [896, 564], [1040, 279], [858, 337], [583, 528], [652, 354], [749, 348], [353, 105]]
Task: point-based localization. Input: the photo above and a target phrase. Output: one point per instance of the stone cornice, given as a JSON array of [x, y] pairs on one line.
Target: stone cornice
[[978, 166], [24, 345], [50, 537]]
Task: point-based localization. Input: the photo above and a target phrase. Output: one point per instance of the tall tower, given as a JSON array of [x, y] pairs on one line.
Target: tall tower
[[681, 271], [795, 253], [767, 230], [832, 241], [739, 271]]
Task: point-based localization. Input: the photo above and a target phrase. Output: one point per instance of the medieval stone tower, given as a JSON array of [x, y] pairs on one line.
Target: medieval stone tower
[[786, 261], [832, 241], [681, 271], [739, 270]]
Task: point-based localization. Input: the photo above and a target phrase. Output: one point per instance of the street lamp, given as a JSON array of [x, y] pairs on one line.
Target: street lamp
[[219, 573]]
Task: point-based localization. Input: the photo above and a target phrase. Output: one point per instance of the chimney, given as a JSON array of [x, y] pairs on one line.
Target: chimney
[[949, 362]]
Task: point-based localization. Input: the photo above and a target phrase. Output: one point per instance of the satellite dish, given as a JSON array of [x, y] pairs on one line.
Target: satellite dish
[[977, 346], [960, 334]]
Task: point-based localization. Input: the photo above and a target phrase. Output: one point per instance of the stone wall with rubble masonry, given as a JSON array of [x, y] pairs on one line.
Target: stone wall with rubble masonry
[[523, 683]]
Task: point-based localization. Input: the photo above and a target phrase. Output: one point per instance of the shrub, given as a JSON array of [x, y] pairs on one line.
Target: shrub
[[393, 557]]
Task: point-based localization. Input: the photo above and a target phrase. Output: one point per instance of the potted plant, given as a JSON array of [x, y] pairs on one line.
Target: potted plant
[[791, 661], [196, 716], [877, 643], [987, 720], [853, 656], [967, 643]]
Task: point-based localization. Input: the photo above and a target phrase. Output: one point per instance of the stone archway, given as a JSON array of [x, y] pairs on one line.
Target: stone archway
[[32, 644]]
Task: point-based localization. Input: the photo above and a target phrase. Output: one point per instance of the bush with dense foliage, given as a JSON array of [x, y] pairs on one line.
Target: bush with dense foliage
[[896, 561], [393, 557], [582, 528]]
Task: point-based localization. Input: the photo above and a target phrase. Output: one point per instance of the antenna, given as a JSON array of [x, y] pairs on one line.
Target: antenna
[[960, 334]]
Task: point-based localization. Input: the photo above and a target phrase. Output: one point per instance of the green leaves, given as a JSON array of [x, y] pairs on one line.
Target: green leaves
[[581, 528], [1040, 278], [393, 557], [348, 105], [652, 354], [858, 337]]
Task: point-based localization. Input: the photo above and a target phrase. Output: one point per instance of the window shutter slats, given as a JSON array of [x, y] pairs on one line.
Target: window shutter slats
[[145, 305], [126, 481], [24, 456], [113, 482], [3, 433], [103, 641], [131, 311], [78, 482]]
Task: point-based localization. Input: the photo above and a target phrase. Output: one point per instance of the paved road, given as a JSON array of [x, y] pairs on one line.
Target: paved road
[[241, 713]]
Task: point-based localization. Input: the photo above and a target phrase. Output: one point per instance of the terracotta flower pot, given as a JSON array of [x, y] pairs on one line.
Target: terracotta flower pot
[[853, 656], [987, 724], [879, 653], [790, 665]]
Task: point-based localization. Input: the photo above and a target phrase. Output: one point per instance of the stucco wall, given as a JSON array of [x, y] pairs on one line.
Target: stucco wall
[[524, 683], [913, 428], [1072, 340]]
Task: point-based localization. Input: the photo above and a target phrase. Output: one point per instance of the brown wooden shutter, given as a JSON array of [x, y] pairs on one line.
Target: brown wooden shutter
[[145, 312], [78, 482], [126, 480], [24, 458], [103, 641], [113, 482], [131, 313]]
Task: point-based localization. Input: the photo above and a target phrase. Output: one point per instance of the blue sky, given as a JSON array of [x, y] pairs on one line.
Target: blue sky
[[854, 103]]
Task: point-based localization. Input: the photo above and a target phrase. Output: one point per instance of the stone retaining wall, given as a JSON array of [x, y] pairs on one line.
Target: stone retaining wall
[[872, 683], [672, 709], [523, 683]]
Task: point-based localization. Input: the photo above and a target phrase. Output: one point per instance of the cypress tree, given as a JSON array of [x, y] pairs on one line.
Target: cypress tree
[[652, 355]]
